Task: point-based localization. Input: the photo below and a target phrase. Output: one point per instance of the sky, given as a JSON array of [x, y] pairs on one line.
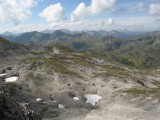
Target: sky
[[77, 15]]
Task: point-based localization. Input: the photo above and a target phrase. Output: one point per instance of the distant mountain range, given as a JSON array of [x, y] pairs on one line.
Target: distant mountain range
[[129, 48], [62, 35]]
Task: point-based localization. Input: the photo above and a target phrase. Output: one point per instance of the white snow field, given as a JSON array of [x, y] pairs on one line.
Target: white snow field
[[1, 75], [38, 99], [11, 79], [60, 106], [75, 98], [92, 98]]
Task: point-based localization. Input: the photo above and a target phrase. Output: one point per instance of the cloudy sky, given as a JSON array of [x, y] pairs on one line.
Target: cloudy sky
[[30, 15]]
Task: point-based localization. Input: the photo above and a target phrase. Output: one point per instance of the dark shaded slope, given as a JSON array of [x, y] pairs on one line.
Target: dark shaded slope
[[7, 46], [10, 52]]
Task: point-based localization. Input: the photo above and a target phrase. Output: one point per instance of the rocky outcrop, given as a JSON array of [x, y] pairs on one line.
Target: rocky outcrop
[[12, 110], [29, 114]]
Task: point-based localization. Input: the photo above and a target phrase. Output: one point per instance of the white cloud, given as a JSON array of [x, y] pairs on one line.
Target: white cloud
[[15, 11], [96, 7], [110, 21], [135, 23], [138, 7], [154, 9], [80, 12], [129, 8], [53, 13]]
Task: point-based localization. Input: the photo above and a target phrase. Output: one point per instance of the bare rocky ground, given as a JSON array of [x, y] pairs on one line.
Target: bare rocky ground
[[59, 75]]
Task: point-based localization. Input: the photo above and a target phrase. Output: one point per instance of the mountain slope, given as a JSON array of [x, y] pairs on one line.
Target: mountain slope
[[130, 48], [26, 38], [61, 83], [8, 34], [6, 45], [11, 52], [142, 52]]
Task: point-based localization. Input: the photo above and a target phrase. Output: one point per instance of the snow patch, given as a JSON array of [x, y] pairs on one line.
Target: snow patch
[[60, 106], [1, 75], [38, 99], [11, 79], [75, 98], [92, 98]]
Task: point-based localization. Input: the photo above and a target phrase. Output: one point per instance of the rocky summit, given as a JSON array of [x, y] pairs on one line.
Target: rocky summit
[[55, 82]]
